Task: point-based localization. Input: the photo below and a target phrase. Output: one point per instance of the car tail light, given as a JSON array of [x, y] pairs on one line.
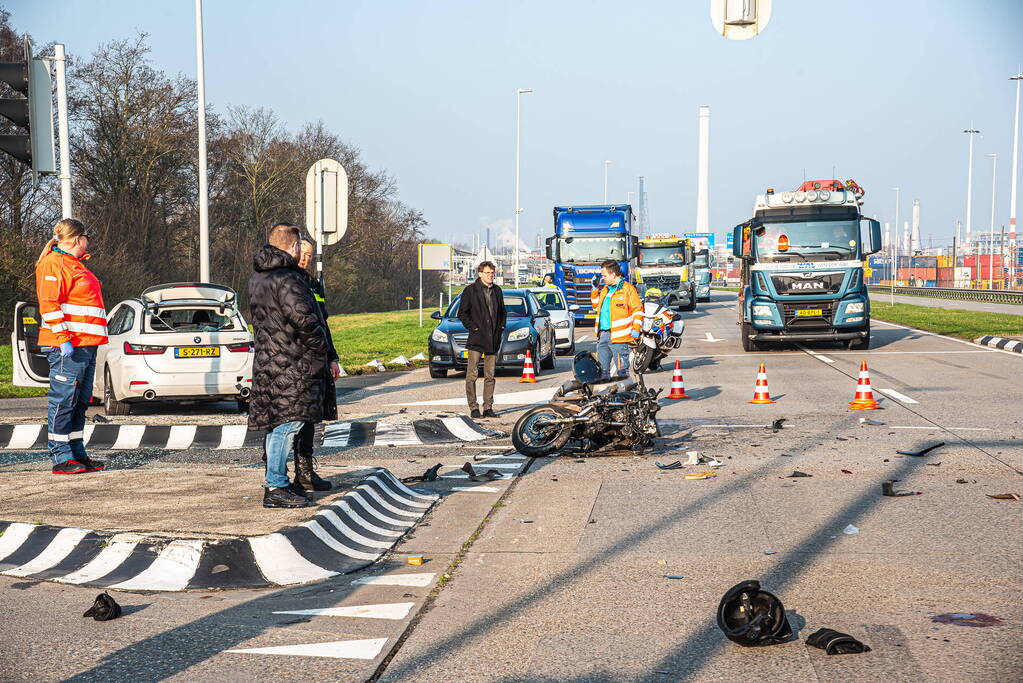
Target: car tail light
[[136, 384], [243, 346], [143, 349]]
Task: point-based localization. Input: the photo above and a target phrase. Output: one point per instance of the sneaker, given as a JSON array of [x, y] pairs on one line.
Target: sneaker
[[90, 464], [283, 498], [69, 467], [489, 412], [298, 490], [475, 413]]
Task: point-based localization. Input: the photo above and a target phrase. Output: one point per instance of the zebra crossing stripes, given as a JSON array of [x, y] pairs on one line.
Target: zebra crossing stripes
[[352, 532], [415, 433]]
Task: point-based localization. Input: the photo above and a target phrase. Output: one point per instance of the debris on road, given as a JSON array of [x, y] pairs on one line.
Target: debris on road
[[489, 475], [99, 418], [797, 473], [415, 560], [770, 552], [428, 475], [751, 617], [706, 474], [670, 466], [846, 471], [851, 530], [104, 608], [868, 421], [967, 619], [695, 458], [888, 489], [673, 576], [835, 643], [777, 424], [1003, 496], [923, 451]]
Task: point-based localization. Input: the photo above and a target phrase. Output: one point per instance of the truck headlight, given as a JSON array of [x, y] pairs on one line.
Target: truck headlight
[[518, 334], [561, 324], [762, 312], [854, 307], [439, 336]]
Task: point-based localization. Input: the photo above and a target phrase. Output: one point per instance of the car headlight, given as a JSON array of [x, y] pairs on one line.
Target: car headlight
[[439, 336], [561, 324], [518, 334], [855, 307], [762, 312]]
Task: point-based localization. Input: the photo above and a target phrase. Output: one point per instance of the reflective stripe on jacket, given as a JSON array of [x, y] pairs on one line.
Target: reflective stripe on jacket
[[626, 311], [70, 302]]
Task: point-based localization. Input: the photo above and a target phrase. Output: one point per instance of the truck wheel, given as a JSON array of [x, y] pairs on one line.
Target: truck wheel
[[859, 344], [438, 373], [691, 306], [111, 406], [745, 330]]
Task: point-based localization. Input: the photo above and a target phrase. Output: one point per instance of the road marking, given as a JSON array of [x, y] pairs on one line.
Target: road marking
[[14, 536], [582, 338], [418, 580], [110, 558], [823, 359], [968, 429], [477, 489], [338, 649], [181, 437], [710, 337], [942, 336], [233, 436], [59, 548], [394, 610], [170, 571], [23, 436], [337, 546], [128, 437], [896, 395], [396, 434], [280, 563]]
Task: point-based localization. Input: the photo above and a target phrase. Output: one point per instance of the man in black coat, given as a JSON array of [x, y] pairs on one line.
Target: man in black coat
[[290, 363], [481, 310]]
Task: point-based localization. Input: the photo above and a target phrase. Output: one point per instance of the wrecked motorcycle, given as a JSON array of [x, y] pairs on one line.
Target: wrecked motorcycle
[[618, 416]]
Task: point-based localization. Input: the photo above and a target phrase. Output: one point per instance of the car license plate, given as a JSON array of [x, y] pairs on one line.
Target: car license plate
[[465, 354], [809, 312], [196, 351]]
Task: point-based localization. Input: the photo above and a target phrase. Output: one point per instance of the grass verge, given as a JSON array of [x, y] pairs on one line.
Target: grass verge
[[361, 337], [8, 390], [964, 324]]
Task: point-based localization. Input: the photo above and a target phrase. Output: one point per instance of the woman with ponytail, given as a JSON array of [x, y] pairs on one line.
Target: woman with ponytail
[[74, 323]]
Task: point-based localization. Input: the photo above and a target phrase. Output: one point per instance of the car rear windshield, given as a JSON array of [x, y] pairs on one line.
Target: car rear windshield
[[190, 319]]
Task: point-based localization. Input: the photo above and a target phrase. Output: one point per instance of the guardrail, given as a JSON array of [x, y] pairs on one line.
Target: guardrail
[[1001, 296]]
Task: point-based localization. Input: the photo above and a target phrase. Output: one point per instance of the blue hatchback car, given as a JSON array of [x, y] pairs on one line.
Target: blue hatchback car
[[528, 327]]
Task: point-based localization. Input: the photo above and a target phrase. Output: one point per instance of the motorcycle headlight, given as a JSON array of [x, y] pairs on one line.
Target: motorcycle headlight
[[518, 334], [561, 324], [762, 312], [439, 336], [855, 307]]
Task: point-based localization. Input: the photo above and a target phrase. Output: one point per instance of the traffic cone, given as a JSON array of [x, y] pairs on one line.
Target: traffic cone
[[864, 394], [761, 394], [527, 369], [678, 385]]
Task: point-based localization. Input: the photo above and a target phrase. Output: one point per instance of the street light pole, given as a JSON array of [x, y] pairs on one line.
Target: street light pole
[[204, 219], [518, 142], [991, 237], [895, 246], [971, 131], [1012, 191], [607, 162]]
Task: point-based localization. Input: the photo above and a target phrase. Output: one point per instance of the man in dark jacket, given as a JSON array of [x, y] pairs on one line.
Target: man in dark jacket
[[290, 359], [481, 310]]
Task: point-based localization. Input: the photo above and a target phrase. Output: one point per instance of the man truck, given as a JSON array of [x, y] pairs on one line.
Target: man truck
[[584, 237], [801, 273], [703, 261], [664, 262]]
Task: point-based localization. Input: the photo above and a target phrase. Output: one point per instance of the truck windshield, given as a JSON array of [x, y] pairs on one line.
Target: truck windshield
[[701, 260], [662, 256], [591, 249], [807, 241]]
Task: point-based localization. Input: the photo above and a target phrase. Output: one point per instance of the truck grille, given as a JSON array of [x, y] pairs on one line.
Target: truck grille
[[816, 283], [662, 282], [792, 319]]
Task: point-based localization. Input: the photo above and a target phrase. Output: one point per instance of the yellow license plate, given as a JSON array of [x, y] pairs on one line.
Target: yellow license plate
[[197, 352], [810, 312]]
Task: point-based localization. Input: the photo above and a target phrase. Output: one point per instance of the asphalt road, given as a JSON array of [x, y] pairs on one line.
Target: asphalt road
[[607, 568], [954, 304]]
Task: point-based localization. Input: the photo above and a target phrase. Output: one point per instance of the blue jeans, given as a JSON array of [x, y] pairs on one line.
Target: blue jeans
[[279, 442], [606, 351], [70, 393]]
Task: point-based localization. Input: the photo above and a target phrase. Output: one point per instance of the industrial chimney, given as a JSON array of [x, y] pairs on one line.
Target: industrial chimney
[[703, 172]]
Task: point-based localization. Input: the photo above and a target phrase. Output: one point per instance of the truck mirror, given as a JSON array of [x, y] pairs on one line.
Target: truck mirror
[[870, 235], [634, 243], [737, 241], [551, 256]]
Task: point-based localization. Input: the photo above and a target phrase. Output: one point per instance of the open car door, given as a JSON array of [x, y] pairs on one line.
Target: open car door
[[31, 369]]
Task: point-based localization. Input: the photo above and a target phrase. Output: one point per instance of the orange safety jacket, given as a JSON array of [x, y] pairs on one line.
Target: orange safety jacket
[[70, 302], [626, 311]]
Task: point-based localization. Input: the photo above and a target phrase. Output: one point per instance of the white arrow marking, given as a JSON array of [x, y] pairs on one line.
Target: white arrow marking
[[397, 610], [338, 649], [424, 579], [710, 337]]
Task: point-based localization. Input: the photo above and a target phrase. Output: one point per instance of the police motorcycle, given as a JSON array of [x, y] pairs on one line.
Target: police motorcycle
[[598, 416], [660, 332]]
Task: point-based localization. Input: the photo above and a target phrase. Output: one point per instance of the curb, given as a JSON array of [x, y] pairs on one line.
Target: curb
[[348, 535], [1014, 345], [31, 437]]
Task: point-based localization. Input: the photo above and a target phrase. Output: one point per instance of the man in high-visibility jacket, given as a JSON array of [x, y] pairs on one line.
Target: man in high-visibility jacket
[[619, 317]]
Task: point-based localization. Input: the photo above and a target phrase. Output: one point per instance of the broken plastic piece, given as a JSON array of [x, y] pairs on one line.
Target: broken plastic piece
[[797, 473], [777, 424], [670, 466], [967, 619], [923, 451], [846, 471], [415, 559], [770, 552], [489, 475], [706, 474], [673, 576], [1003, 496], [835, 643], [851, 530], [868, 421], [428, 475], [888, 489]]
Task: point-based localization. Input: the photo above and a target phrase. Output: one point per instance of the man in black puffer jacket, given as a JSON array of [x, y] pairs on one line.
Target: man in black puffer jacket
[[288, 387]]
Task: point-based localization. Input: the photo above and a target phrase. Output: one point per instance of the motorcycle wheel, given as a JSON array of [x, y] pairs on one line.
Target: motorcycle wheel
[[533, 438], [641, 358]]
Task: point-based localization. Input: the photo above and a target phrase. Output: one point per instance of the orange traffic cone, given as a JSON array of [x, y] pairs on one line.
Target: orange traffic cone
[[527, 369], [761, 394], [678, 385], [864, 394]]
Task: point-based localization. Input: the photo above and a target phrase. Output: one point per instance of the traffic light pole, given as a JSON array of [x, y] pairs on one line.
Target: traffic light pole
[[62, 133]]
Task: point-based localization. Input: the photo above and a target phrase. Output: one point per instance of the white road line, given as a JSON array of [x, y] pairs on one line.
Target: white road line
[[338, 649], [476, 489], [118, 550], [582, 338], [396, 434], [280, 563], [181, 437], [394, 610], [942, 336], [942, 428], [710, 337], [23, 436], [418, 580], [14, 535], [233, 436], [459, 428], [59, 548], [170, 571], [896, 395], [823, 359], [128, 437]]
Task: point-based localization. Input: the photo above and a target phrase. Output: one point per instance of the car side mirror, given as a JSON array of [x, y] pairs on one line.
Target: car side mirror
[[574, 307], [437, 315], [542, 313]]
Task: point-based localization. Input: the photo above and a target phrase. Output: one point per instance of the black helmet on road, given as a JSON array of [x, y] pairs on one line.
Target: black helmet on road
[[751, 617]]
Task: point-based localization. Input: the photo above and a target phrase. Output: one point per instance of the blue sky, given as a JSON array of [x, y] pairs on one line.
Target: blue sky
[[879, 90]]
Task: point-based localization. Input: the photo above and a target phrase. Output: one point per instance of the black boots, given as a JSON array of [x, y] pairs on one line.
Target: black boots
[[306, 477], [283, 498]]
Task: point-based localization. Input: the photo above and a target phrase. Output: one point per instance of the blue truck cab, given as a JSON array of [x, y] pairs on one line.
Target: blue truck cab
[[584, 237], [801, 272]]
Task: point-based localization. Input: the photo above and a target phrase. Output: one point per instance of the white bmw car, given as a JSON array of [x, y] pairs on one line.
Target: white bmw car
[[553, 301], [177, 342]]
